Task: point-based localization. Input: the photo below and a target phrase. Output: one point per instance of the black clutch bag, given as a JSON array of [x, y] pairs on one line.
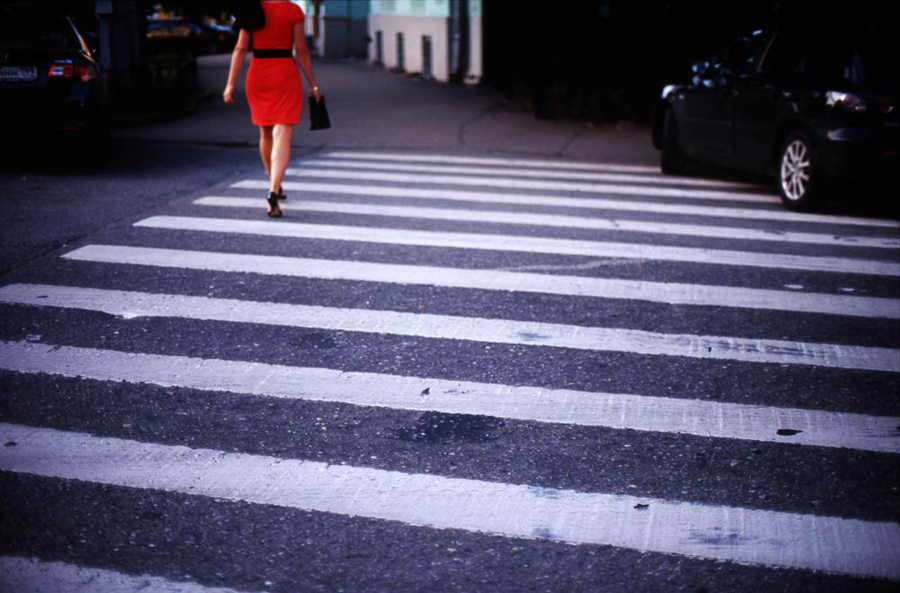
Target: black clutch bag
[[318, 115]]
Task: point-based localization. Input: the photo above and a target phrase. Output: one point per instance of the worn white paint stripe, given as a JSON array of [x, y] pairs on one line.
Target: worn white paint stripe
[[491, 161], [688, 210], [671, 293], [140, 304], [24, 575], [526, 173], [747, 536], [521, 184], [571, 222], [524, 244], [611, 410]]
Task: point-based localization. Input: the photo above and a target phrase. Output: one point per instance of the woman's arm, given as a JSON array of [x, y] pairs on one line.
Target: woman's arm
[[305, 60], [237, 62]]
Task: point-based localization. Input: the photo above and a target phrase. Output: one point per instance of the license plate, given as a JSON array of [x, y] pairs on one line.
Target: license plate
[[18, 73]]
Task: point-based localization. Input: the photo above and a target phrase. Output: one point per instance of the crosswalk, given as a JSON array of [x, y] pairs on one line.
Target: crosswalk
[[670, 343]]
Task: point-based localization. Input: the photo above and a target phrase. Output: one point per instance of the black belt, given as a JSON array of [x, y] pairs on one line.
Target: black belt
[[273, 53]]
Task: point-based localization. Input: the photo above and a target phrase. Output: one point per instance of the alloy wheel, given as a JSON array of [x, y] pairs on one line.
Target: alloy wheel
[[795, 170]]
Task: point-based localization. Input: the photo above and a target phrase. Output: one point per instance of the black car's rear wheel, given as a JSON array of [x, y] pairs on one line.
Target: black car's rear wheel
[[799, 178], [673, 161]]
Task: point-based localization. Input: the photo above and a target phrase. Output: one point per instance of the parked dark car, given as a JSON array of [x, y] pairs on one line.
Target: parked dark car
[[809, 105], [202, 39], [51, 85], [225, 38]]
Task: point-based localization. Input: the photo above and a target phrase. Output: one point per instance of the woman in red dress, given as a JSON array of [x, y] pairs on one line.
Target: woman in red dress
[[274, 89]]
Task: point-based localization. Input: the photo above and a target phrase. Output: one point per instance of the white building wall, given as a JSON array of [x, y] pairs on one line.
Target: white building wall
[[476, 68], [413, 28], [416, 19]]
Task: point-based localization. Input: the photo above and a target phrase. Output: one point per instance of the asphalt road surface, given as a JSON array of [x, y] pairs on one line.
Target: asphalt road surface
[[439, 372]]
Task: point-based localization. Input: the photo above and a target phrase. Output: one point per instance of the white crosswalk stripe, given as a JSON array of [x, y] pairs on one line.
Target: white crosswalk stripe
[[25, 575], [615, 410], [671, 293], [132, 305], [562, 201], [526, 173], [571, 222], [519, 184], [489, 161], [534, 201], [526, 244], [769, 538]]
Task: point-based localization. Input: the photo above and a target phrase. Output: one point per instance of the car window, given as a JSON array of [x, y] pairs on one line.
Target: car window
[[742, 56], [873, 62], [849, 57], [47, 31], [785, 56]]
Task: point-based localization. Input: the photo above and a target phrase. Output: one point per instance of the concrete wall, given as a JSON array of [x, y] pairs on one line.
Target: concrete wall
[[435, 8], [413, 28], [342, 29], [416, 19], [476, 49], [342, 37]]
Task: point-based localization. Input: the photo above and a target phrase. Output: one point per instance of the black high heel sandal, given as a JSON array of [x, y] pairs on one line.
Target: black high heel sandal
[[281, 194], [274, 209]]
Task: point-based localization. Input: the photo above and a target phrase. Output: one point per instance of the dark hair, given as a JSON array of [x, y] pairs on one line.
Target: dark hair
[[249, 15]]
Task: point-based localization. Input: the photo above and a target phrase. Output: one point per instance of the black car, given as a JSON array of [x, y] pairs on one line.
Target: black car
[[51, 86], [809, 105], [201, 39]]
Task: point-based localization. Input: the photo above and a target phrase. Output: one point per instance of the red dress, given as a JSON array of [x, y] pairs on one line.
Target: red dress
[[274, 89]]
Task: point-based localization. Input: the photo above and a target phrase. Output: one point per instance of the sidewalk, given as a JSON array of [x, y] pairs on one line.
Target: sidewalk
[[371, 108]]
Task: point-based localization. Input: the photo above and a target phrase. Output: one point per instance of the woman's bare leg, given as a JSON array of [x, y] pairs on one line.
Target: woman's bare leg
[[280, 155], [265, 147]]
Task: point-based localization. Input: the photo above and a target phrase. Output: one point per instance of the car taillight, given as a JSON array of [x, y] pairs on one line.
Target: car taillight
[[885, 106], [70, 71], [848, 101]]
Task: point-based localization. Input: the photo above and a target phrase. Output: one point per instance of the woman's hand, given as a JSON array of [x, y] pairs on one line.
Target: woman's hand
[[227, 95], [314, 91]]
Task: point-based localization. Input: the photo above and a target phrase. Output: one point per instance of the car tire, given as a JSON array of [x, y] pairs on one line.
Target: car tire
[[800, 180], [673, 161]]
